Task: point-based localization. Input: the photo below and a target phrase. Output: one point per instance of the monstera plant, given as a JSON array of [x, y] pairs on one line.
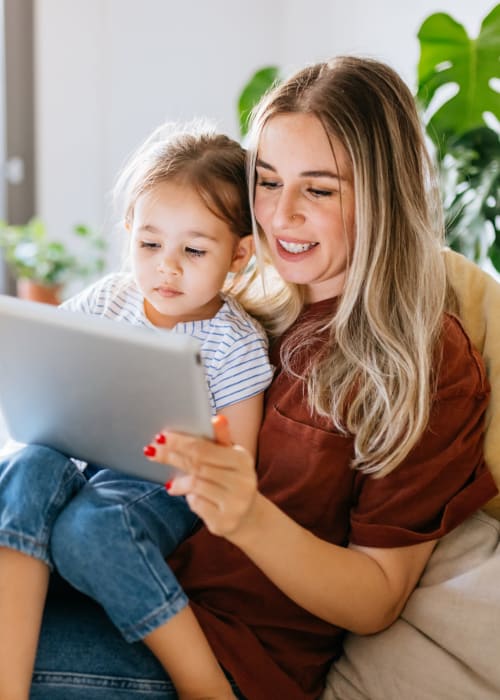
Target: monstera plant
[[258, 84], [458, 90], [464, 127]]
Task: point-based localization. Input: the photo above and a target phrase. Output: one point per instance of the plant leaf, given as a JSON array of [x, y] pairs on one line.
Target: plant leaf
[[449, 55], [253, 90]]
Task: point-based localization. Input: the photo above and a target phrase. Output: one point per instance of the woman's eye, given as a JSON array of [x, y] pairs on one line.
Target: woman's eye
[[195, 252], [268, 184], [320, 193], [150, 245]]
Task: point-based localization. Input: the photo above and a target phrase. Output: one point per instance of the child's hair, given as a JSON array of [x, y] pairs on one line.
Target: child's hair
[[193, 155], [383, 338]]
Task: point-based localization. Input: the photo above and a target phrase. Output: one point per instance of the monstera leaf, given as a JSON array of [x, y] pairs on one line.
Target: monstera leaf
[[449, 55], [467, 149], [253, 90]]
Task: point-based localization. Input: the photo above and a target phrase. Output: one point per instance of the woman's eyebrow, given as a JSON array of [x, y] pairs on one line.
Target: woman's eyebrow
[[262, 164], [306, 173]]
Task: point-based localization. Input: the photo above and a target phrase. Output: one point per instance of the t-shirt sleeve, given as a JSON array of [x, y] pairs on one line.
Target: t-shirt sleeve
[[444, 479], [97, 298], [243, 372], [88, 299]]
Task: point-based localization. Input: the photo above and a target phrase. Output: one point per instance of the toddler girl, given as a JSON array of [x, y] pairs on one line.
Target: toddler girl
[[188, 218]]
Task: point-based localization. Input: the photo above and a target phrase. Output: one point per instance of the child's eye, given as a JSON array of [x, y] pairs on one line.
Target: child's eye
[[195, 252], [150, 245]]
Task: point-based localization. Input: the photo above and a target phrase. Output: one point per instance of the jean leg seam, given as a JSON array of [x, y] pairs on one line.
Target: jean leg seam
[[38, 546], [130, 632], [57, 495], [70, 679]]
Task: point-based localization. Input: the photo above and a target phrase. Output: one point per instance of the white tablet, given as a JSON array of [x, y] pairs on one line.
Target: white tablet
[[96, 389]]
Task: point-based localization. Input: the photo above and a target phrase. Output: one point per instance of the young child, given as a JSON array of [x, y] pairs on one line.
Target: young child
[[188, 218]]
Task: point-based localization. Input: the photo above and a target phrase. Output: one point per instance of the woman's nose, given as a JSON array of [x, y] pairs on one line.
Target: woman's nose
[[286, 212]]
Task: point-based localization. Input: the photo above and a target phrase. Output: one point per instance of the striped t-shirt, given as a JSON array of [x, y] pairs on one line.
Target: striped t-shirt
[[234, 347]]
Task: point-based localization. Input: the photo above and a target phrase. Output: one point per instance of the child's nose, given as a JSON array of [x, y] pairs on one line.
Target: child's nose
[[170, 264]]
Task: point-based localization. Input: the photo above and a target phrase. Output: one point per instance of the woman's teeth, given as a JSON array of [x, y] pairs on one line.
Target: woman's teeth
[[296, 247]]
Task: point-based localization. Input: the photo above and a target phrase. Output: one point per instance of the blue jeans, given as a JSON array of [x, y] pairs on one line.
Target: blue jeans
[[110, 542], [82, 656], [108, 536]]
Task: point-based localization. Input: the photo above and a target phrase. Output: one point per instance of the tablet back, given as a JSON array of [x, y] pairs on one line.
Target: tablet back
[[97, 389]]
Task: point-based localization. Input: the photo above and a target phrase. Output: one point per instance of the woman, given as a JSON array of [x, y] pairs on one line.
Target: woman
[[371, 445]]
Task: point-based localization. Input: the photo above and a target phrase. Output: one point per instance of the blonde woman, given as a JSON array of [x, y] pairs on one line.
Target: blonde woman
[[371, 444]]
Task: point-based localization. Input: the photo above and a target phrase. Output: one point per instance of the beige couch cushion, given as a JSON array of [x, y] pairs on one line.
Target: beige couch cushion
[[444, 646], [445, 643], [479, 301]]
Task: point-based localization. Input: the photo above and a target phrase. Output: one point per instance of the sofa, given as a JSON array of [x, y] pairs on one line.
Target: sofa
[[445, 644]]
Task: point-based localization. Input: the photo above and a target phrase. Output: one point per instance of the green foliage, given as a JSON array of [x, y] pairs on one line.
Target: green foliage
[[470, 176], [449, 55], [31, 254], [260, 82], [467, 149]]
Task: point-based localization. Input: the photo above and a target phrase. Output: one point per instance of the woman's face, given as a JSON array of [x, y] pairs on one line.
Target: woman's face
[[304, 202]]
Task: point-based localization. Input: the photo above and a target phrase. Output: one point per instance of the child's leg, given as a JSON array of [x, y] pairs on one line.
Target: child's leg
[[183, 650], [23, 587], [111, 543], [35, 483]]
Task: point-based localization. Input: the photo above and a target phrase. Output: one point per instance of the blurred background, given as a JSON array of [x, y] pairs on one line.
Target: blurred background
[[84, 81]]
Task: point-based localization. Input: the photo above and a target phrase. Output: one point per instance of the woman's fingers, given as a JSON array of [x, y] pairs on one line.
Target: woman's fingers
[[221, 430], [219, 479], [190, 454], [222, 506]]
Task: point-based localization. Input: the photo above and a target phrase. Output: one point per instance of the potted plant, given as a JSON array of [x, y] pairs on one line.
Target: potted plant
[[466, 143], [42, 266]]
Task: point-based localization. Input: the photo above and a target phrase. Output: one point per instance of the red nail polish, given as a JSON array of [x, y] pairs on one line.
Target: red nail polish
[[149, 451], [168, 485], [160, 439]]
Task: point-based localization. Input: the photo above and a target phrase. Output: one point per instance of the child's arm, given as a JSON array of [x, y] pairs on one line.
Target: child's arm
[[245, 418]]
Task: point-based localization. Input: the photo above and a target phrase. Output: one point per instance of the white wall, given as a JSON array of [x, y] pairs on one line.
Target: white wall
[[108, 71]]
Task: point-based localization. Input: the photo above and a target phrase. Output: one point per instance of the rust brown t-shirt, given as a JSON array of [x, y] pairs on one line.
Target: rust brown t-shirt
[[272, 647]]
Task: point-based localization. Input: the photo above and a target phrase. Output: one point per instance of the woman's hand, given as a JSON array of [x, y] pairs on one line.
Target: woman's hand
[[220, 484]]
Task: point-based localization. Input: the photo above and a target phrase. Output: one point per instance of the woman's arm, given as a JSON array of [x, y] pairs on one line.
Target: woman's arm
[[361, 589]]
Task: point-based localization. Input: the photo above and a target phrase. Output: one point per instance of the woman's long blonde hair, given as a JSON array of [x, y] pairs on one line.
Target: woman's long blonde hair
[[375, 375]]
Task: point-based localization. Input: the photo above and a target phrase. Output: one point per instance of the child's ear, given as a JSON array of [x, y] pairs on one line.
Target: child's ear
[[242, 253]]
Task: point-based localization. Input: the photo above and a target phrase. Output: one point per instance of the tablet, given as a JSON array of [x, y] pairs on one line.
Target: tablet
[[96, 389]]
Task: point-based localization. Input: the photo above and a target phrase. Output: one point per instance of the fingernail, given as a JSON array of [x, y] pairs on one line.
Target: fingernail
[[168, 485], [160, 439], [149, 451]]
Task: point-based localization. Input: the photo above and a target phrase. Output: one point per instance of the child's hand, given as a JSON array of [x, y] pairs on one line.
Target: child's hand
[[220, 483]]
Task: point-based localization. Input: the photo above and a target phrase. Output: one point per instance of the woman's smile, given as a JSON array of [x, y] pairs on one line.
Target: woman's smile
[[294, 247]]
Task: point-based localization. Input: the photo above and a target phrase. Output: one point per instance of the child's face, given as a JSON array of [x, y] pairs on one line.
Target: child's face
[[181, 254]]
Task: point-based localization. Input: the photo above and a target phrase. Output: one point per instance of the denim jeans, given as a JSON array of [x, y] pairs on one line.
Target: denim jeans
[[82, 656], [108, 535], [110, 542]]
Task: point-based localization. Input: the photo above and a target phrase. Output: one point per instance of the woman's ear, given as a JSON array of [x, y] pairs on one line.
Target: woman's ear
[[242, 253]]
